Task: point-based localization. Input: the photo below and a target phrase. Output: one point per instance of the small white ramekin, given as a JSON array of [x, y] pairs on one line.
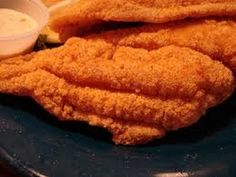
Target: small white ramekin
[[23, 43]]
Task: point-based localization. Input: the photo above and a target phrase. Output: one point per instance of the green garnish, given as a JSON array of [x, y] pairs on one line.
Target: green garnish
[[41, 43]]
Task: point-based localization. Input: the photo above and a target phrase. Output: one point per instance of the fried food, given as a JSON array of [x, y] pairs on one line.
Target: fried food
[[52, 36], [135, 93], [213, 37], [50, 3], [85, 15]]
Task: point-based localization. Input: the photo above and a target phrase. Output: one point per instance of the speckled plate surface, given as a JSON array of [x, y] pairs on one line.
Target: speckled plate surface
[[33, 143]]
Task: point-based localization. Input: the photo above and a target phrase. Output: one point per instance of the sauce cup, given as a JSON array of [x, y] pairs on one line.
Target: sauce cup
[[23, 43]]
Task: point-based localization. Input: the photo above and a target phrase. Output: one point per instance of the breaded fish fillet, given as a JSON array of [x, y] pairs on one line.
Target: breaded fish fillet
[[85, 14], [137, 94], [215, 38], [49, 3]]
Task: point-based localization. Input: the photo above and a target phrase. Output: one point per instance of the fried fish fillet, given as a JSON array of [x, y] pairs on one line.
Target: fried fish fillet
[[213, 37], [136, 94], [83, 15], [50, 3]]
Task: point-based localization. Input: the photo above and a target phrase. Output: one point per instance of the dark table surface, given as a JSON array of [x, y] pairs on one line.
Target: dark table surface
[[4, 172]]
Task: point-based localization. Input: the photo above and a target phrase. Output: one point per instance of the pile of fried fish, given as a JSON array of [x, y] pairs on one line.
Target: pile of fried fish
[[138, 68]]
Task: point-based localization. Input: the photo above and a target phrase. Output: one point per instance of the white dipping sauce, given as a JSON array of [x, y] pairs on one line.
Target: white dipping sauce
[[13, 22]]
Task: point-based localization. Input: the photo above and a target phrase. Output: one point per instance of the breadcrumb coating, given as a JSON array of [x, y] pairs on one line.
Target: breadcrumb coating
[[49, 3], [213, 37], [137, 94], [85, 14]]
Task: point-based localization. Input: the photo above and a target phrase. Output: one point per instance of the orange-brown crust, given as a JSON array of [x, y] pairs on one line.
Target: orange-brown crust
[[83, 14], [215, 38], [49, 3], [172, 87]]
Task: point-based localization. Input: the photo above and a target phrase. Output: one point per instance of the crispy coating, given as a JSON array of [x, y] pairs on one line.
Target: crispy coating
[[213, 37], [49, 3], [85, 14], [137, 94]]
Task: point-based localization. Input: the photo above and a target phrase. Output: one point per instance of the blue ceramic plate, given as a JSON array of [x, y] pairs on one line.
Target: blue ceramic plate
[[33, 143]]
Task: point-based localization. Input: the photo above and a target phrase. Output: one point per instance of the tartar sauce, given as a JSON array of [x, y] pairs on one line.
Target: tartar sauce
[[13, 22]]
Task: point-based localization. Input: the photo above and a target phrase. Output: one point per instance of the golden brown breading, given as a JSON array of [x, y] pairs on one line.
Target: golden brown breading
[[136, 94], [215, 38], [85, 14], [49, 3]]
